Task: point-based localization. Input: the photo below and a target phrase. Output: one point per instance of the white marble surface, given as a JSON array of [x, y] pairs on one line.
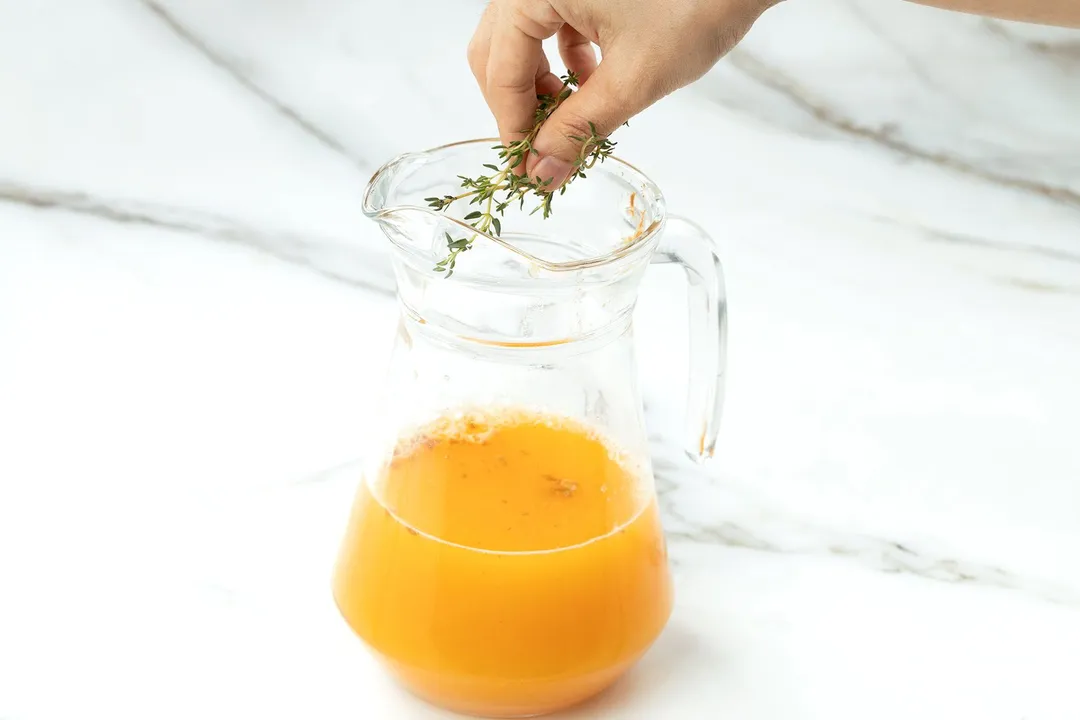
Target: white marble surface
[[194, 314]]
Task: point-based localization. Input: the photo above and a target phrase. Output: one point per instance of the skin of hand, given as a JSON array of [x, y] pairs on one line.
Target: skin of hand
[[650, 48], [1065, 13]]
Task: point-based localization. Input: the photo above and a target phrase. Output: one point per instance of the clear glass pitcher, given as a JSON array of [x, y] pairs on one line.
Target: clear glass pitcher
[[504, 556]]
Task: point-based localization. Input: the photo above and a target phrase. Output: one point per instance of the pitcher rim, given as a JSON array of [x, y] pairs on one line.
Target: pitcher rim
[[642, 240]]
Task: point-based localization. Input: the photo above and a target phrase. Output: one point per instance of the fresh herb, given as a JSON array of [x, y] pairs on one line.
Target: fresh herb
[[515, 186]]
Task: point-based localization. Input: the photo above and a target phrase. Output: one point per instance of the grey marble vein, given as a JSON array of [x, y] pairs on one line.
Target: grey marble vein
[[331, 258], [939, 235], [886, 136], [1065, 54], [1038, 286], [237, 73], [789, 536], [917, 67]]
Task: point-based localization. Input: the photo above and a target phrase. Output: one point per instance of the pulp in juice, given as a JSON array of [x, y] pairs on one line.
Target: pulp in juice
[[505, 566]]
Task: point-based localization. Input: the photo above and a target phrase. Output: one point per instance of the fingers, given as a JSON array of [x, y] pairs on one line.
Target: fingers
[[480, 48], [607, 100], [512, 69], [547, 82], [577, 52], [507, 59]]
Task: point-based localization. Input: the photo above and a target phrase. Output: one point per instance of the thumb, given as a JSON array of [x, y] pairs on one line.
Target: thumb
[[604, 101]]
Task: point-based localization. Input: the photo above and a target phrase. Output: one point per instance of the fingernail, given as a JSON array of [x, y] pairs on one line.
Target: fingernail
[[553, 168]]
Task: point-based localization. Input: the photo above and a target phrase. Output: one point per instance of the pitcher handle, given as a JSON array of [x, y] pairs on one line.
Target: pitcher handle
[[685, 243]]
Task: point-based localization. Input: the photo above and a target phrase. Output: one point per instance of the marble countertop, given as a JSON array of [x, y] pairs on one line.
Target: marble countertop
[[194, 316]]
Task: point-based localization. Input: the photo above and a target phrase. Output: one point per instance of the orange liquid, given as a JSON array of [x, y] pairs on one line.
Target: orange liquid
[[505, 567]]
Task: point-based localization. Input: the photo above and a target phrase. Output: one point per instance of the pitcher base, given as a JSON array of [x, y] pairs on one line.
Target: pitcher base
[[504, 698]]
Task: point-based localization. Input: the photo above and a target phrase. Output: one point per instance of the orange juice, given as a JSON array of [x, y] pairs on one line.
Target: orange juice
[[505, 566]]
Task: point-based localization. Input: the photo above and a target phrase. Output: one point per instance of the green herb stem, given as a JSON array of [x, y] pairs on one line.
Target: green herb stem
[[515, 186]]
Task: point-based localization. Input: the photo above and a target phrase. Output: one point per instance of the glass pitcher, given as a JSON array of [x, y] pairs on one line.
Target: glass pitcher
[[504, 556]]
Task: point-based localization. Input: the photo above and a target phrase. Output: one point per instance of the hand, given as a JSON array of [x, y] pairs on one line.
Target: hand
[[650, 48]]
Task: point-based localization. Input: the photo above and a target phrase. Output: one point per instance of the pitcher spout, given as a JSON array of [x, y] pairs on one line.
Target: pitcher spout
[[603, 226], [380, 188]]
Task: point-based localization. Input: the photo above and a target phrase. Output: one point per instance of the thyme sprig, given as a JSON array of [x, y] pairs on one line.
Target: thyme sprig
[[514, 186]]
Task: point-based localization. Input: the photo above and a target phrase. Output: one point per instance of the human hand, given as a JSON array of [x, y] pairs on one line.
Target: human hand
[[650, 48]]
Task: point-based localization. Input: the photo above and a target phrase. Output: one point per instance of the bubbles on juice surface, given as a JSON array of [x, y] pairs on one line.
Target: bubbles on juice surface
[[512, 480]]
